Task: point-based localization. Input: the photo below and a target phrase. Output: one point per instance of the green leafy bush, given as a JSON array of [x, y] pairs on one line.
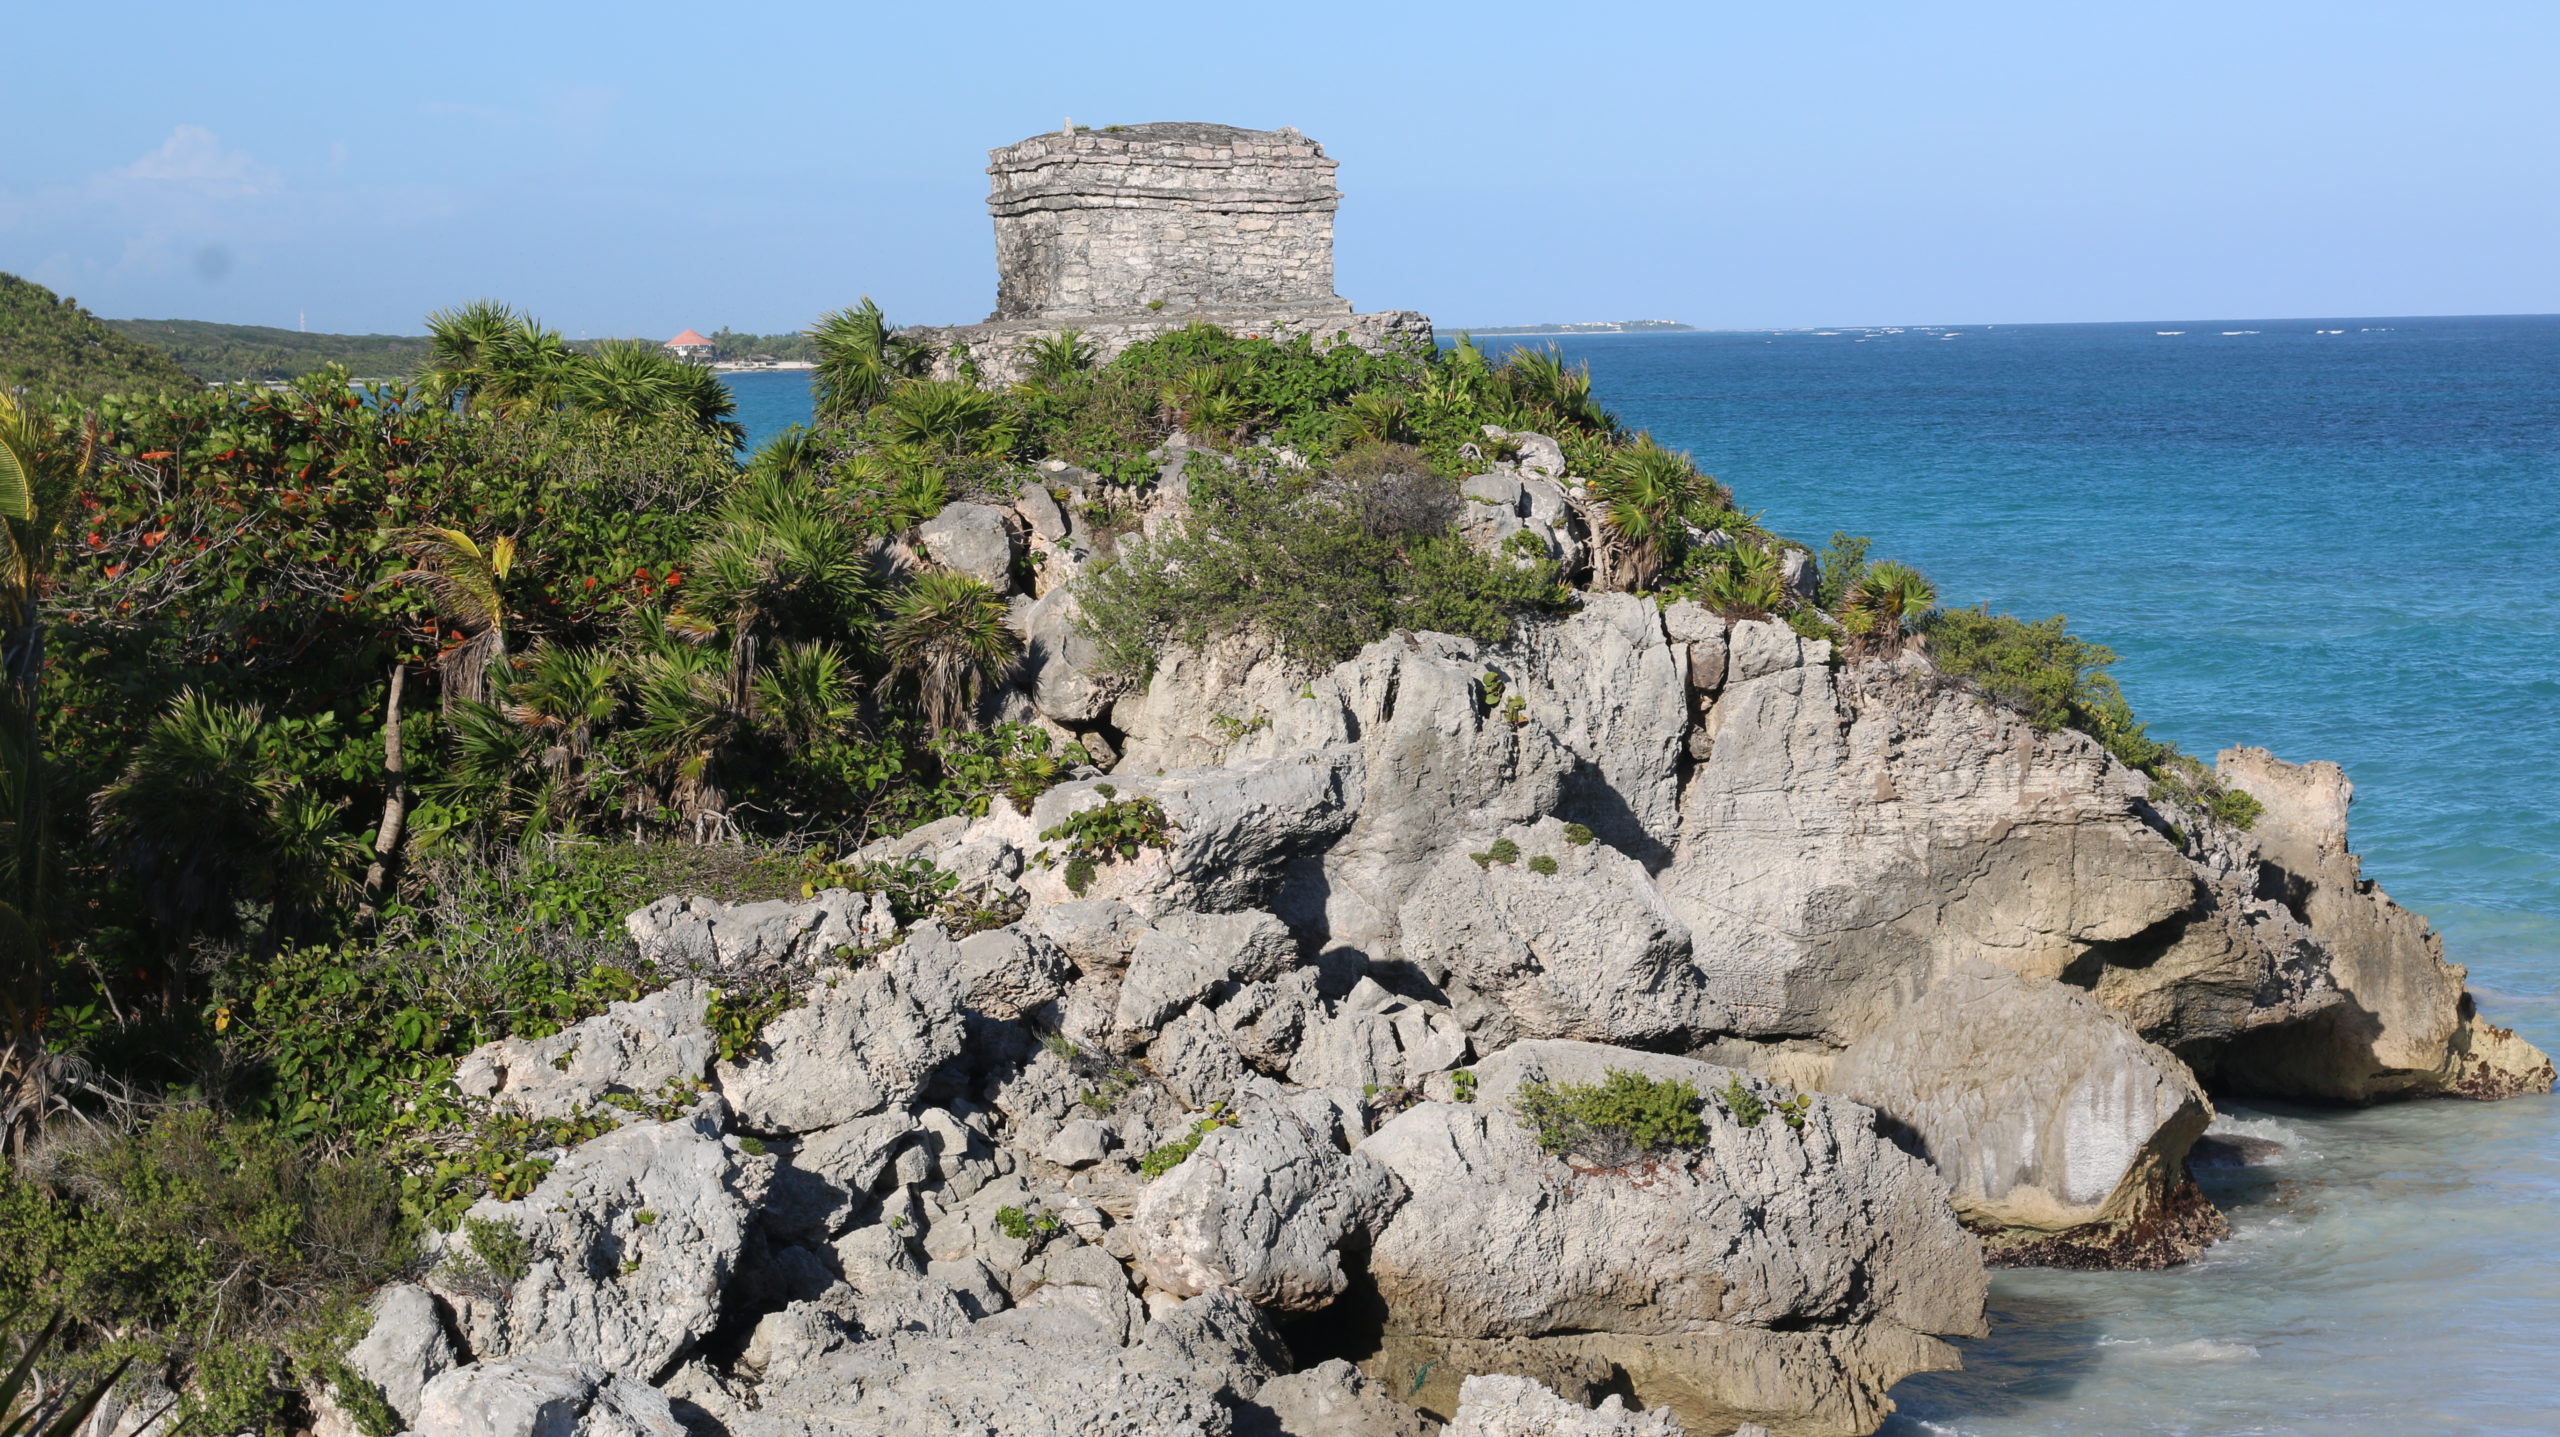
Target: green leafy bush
[[1319, 567], [1578, 834], [1543, 865], [1613, 1122], [1165, 1159], [1117, 828]]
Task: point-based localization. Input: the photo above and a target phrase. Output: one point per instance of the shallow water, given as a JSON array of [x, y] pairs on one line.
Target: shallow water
[[2335, 545]]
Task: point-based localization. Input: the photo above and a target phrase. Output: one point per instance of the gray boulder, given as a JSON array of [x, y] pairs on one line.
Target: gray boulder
[[1588, 951], [1185, 957], [700, 935], [860, 1044], [2408, 1027], [1497, 1406], [639, 1047], [1781, 1273], [521, 1397], [1857, 831], [406, 1347], [973, 539], [628, 1245], [2057, 1129], [1061, 665], [1333, 1399], [1182, 1379], [1265, 1210], [1002, 973]]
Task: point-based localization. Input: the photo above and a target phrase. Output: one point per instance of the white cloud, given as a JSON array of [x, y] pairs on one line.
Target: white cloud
[[191, 157]]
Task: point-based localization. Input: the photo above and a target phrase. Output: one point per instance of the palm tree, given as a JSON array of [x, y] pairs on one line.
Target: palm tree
[[860, 358], [630, 379], [947, 631], [1885, 604], [464, 582], [1556, 394], [205, 820], [463, 348], [807, 694], [1647, 497], [1053, 358], [945, 417]]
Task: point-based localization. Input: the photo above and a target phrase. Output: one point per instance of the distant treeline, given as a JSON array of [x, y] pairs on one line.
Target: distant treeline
[[53, 348], [223, 352]]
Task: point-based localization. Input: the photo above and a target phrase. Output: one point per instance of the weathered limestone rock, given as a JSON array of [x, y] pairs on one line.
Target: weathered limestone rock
[[861, 1043], [2062, 1135], [1264, 1210], [1060, 666], [1588, 951], [2406, 1027], [639, 1047], [1856, 832], [1186, 957], [693, 934], [628, 1244], [975, 540], [537, 1398], [1497, 1406], [405, 1349], [1331, 1399], [1178, 1381], [1787, 1275]]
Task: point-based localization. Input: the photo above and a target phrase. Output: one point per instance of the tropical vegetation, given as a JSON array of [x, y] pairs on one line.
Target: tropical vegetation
[[340, 725]]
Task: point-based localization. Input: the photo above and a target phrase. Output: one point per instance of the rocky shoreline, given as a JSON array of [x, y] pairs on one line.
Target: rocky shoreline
[[1225, 1136]]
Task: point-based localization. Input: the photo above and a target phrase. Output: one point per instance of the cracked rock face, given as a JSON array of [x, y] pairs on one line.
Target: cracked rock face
[[628, 1245], [1263, 1210], [1706, 1275], [2045, 1115]]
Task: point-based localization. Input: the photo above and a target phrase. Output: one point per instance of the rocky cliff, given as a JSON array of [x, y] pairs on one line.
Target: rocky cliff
[[1221, 1129]]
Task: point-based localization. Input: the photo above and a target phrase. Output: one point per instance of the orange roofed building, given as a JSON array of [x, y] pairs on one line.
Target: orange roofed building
[[690, 346]]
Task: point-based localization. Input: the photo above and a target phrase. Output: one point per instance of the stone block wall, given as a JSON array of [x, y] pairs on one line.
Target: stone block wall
[[1185, 216]]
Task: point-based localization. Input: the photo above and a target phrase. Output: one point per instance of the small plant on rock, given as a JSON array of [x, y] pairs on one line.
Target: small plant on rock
[[1613, 1122], [1117, 829], [1543, 865], [1462, 1085], [1578, 834], [1745, 1105], [1165, 1159]]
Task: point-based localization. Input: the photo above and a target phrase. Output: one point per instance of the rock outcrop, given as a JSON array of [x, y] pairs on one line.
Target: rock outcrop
[[1781, 1273], [1065, 1158], [2405, 1026], [2062, 1135]]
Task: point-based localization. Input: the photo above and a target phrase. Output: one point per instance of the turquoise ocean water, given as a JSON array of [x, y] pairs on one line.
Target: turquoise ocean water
[[2335, 538]]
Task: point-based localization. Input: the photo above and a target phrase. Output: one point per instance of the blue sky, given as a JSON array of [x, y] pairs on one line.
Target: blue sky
[[637, 168]]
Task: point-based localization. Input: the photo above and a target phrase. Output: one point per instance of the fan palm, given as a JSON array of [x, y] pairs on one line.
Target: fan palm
[[465, 583], [463, 348], [860, 358], [947, 632], [1559, 394], [1647, 496], [945, 417], [41, 467], [1053, 358], [807, 694], [205, 820], [1885, 604]]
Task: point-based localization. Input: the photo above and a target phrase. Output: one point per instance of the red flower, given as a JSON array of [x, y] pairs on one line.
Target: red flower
[[159, 454]]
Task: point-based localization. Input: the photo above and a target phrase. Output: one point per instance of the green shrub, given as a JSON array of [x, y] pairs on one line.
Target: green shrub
[[1615, 1121], [1544, 865], [1165, 1159], [1462, 1085], [1745, 1105], [1319, 567], [737, 1020], [196, 1245], [1115, 829], [1578, 834]]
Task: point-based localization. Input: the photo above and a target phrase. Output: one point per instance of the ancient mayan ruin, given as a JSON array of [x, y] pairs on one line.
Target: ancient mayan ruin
[[1132, 230]]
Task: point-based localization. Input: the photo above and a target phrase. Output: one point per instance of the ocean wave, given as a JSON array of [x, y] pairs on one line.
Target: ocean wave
[[2194, 1349]]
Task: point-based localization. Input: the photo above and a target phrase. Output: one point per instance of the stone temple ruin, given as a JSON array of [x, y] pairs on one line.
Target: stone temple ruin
[[1130, 231]]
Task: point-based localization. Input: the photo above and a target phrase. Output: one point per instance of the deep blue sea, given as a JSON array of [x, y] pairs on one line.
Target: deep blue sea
[[2336, 538]]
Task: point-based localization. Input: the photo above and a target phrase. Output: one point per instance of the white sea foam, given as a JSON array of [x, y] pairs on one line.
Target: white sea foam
[[2194, 1349]]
